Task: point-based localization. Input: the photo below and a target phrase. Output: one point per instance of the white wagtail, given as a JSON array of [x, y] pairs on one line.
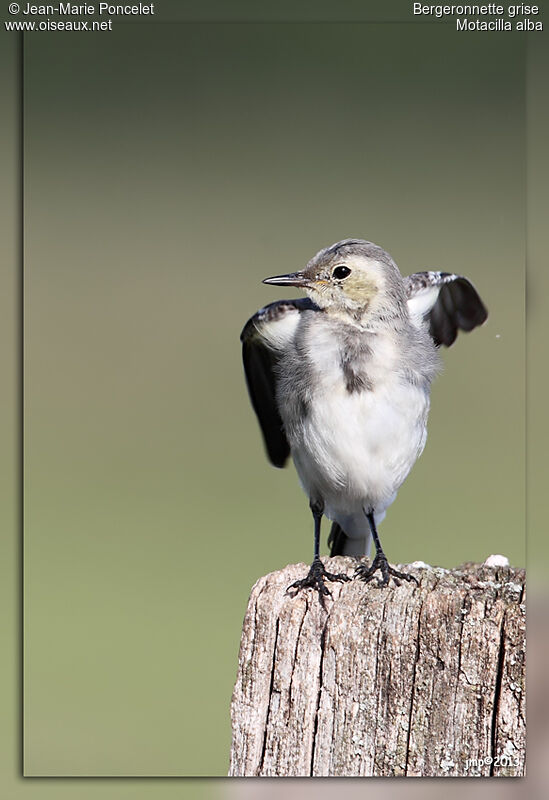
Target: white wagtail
[[341, 381]]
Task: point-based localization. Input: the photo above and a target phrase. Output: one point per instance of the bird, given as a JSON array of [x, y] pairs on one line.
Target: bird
[[340, 381]]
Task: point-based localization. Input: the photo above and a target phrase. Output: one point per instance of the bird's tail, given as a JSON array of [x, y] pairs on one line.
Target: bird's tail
[[337, 539], [342, 545]]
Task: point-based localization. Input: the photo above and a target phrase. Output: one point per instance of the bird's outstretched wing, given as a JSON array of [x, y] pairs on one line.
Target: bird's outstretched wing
[[447, 303], [263, 338]]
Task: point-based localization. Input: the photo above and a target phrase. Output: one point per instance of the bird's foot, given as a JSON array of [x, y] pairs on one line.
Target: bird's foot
[[315, 579], [366, 573]]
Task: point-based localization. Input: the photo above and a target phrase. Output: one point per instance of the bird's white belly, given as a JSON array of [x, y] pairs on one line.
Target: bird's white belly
[[357, 449]]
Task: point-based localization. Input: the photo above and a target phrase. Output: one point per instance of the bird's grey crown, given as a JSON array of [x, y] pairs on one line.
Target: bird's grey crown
[[347, 247]]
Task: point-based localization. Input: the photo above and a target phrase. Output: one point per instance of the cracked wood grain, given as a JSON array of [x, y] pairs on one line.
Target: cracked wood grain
[[423, 680]]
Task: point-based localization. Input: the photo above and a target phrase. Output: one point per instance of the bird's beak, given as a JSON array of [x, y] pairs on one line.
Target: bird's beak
[[293, 279]]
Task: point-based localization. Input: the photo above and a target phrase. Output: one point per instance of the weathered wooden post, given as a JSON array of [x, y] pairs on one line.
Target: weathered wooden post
[[421, 680]]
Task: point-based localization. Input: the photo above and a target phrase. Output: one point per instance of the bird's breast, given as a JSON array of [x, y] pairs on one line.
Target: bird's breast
[[355, 425]]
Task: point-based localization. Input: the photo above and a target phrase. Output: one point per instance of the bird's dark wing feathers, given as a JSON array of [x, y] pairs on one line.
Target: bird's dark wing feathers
[[260, 370], [448, 302]]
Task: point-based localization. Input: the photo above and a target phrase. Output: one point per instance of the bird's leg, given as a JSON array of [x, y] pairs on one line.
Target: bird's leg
[[366, 573], [317, 574]]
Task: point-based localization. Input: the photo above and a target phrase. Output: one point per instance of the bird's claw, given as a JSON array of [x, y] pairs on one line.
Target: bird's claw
[[315, 579], [366, 573]]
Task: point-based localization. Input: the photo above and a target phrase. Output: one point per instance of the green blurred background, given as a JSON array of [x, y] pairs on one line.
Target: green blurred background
[[168, 169]]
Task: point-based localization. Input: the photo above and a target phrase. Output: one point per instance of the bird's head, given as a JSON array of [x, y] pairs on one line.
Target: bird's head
[[352, 278]]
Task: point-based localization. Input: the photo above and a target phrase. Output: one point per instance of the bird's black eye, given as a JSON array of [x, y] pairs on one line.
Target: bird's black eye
[[341, 272]]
